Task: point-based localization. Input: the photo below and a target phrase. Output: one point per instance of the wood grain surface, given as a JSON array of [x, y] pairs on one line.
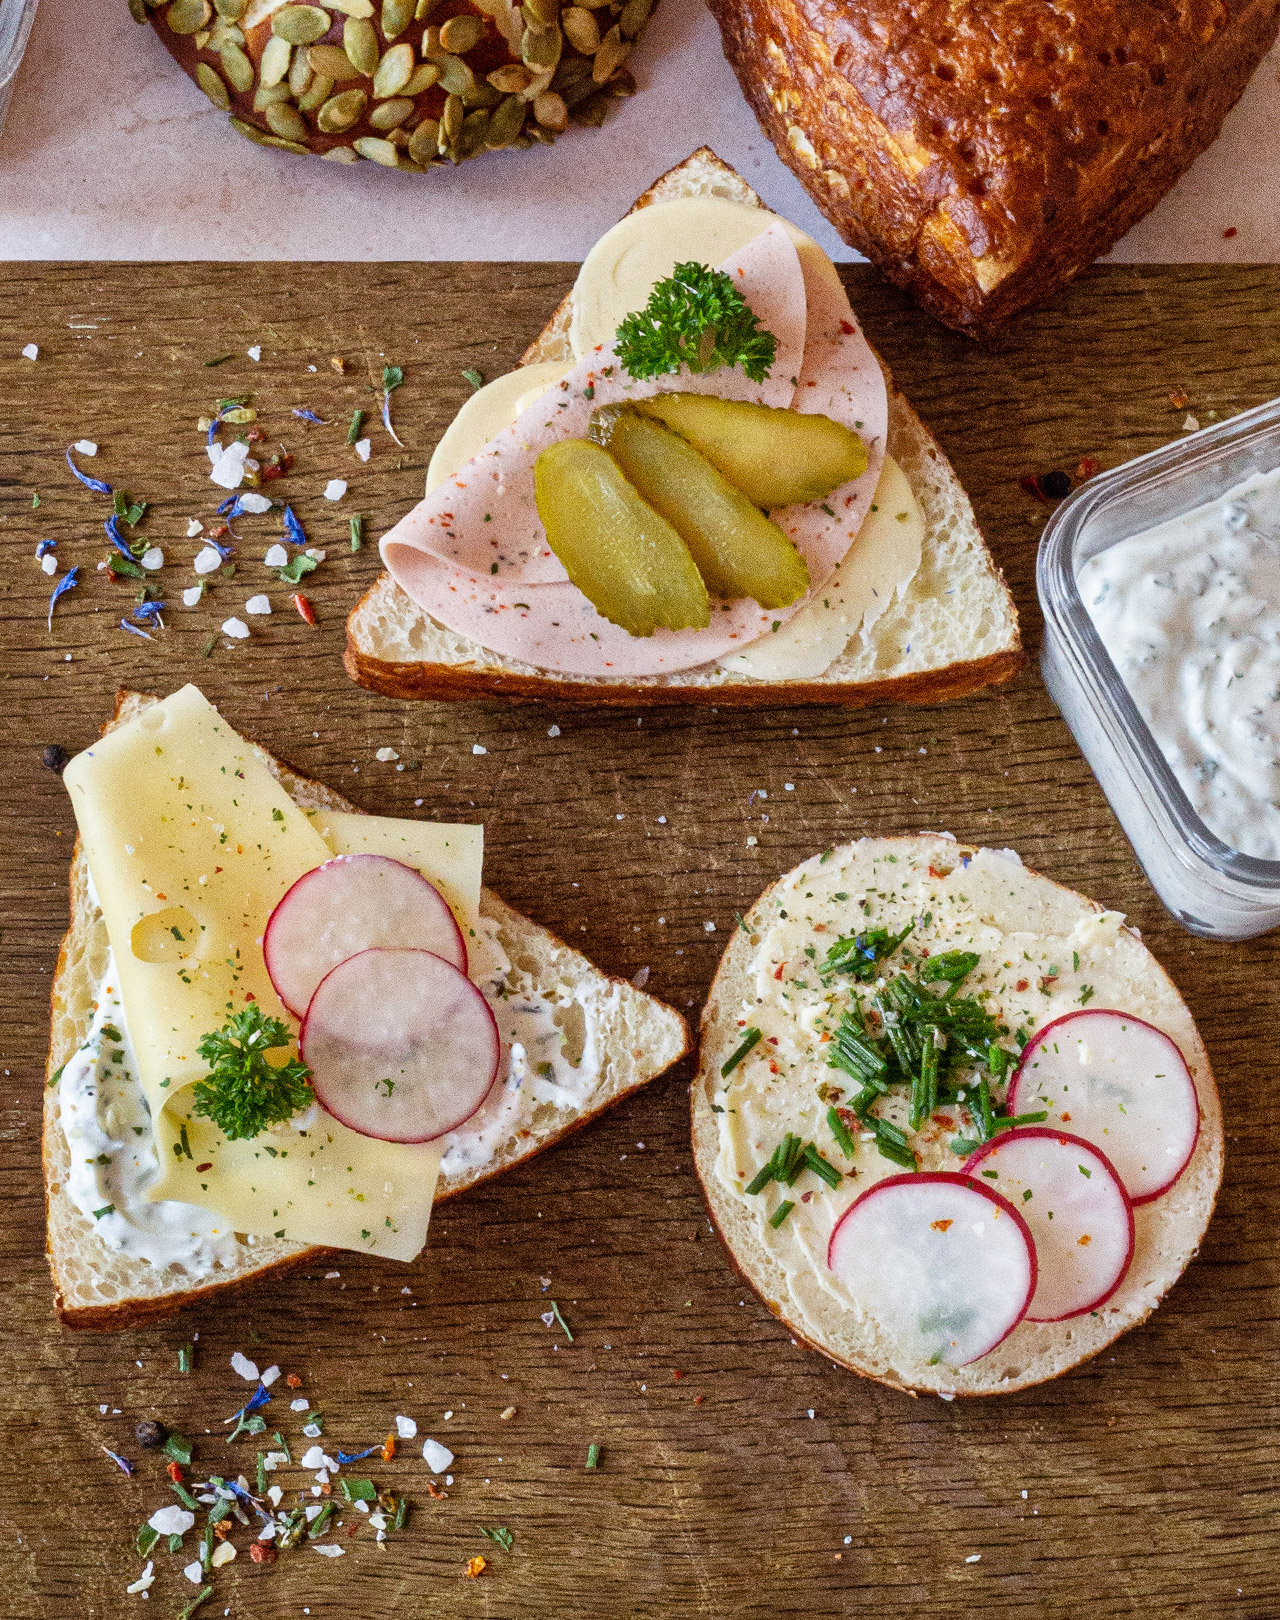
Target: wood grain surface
[[739, 1475]]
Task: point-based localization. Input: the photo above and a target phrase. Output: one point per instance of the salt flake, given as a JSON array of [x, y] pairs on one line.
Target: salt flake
[[436, 1456], [241, 1364], [152, 558], [207, 559], [86, 447], [192, 595], [172, 1520], [236, 628], [363, 447], [335, 489], [258, 604], [276, 557], [30, 353], [144, 1581], [406, 1428], [254, 351]]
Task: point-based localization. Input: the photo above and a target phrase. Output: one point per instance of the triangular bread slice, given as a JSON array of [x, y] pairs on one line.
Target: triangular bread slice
[[953, 630], [1040, 926], [94, 1287]]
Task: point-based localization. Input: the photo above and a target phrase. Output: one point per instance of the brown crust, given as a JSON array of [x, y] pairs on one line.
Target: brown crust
[[134, 1313], [797, 1332], [982, 155], [589, 102], [422, 680]]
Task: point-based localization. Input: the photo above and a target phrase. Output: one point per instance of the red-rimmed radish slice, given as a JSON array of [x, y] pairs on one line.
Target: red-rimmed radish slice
[[401, 1045], [1122, 1085], [944, 1265], [350, 904], [1079, 1213]]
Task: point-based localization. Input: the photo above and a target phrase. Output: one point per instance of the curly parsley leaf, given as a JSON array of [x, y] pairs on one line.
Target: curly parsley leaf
[[695, 317], [245, 1092]]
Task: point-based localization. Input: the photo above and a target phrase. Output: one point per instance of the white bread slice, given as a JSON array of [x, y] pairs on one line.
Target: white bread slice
[[953, 630], [1024, 913], [94, 1287]]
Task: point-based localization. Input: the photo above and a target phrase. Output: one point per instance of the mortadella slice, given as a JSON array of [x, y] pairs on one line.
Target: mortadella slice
[[485, 518]]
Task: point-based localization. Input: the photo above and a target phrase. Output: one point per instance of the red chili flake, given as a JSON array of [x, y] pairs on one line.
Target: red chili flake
[[261, 1553], [201, 1168], [1088, 467], [1022, 984], [773, 1067], [676, 1373], [848, 328], [270, 472], [945, 1120], [778, 974], [1066, 1119], [1229, 233], [217, 534], [934, 873], [389, 1448], [698, 1399], [255, 435], [1048, 980], [174, 1471], [1031, 485], [849, 1118], [1179, 399], [772, 1040], [435, 1493], [305, 610], [249, 996], [293, 1381]]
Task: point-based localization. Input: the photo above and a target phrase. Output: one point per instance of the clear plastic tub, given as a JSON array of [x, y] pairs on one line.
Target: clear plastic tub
[[16, 17], [1210, 888]]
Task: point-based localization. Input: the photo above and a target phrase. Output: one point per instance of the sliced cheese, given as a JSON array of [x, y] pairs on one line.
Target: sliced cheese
[[879, 566], [450, 856], [486, 413], [178, 816], [620, 271]]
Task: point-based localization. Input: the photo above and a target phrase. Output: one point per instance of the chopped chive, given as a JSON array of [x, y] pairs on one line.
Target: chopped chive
[[184, 1358], [822, 1168], [763, 1176], [357, 422], [838, 1129], [593, 1454], [780, 1214], [750, 1040], [282, 1444], [474, 378], [498, 1534], [178, 1447], [262, 1473], [218, 360], [555, 1311], [321, 1522], [183, 1494], [205, 1592], [402, 1513], [357, 533], [146, 1539]]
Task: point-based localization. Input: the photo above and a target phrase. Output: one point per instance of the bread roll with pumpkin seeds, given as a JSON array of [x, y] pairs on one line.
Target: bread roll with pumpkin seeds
[[408, 84]]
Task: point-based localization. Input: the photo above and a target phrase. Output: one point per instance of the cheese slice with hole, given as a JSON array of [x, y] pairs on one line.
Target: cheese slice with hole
[[191, 841]]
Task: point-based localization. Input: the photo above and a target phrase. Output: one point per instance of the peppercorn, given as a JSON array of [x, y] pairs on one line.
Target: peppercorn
[[151, 1434], [55, 758], [1055, 484]]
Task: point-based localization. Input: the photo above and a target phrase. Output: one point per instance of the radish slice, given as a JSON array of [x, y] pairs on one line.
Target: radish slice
[[944, 1265], [1122, 1085], [1078, 1211], [401, 1045], [353, 903]]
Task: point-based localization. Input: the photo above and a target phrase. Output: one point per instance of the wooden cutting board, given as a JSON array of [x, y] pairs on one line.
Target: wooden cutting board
[[739, 1475]]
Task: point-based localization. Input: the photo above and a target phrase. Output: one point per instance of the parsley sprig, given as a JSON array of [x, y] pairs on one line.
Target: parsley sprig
[[695, 317], [245, 1092]]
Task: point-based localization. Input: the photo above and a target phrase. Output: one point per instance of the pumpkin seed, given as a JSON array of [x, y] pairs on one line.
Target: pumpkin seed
[[213, 87], [622, 84], [369, 146], [351, 8], [593, 111], [238, 68], [423, 9], [550, 111], [222, 33], [394, 71], [471, 137], [282, 145], [138, 10], [592, 5], [340, 112], [462, 33], [424, 76], [339, 154], [451, 119], [232, 10], [301, 25], [572, 70], [300, 73], [581, 30], [267, 95], [510, 21], [511, 79], [613, 52], [540, 48], [318, 92], [287, 121], [432, 50], [391, 114], [360, 41], [536, 85], [456, 78], [544, 137], [634, 16], [424, 143], [505, 123], [332, 62], [248, 131], [396, 17], [276, 57], [541, 13], [187, 16]]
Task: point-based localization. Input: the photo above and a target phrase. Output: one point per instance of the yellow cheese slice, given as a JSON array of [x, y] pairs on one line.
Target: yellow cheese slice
[[879, 565], [619, 273], [191, 842], [486, 413], [449, 855]]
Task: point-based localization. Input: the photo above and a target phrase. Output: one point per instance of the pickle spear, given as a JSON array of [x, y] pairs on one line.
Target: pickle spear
[[776, 457], [628, 562], [737, 550]]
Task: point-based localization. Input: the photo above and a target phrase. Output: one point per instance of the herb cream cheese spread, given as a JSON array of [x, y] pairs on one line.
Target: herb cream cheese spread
[[1190, 613]]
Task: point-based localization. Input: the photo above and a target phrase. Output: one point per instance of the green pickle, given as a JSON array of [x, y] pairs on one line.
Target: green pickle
[[625, 558], [776, 457], [738, 551]]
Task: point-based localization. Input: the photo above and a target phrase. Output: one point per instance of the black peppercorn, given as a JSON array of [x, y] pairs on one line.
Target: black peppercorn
[[1055, 484], [151, 1434], [55, 758]]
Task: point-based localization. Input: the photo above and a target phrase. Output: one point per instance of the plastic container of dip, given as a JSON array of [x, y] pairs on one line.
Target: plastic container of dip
[[1208, 887], [16, 17]]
